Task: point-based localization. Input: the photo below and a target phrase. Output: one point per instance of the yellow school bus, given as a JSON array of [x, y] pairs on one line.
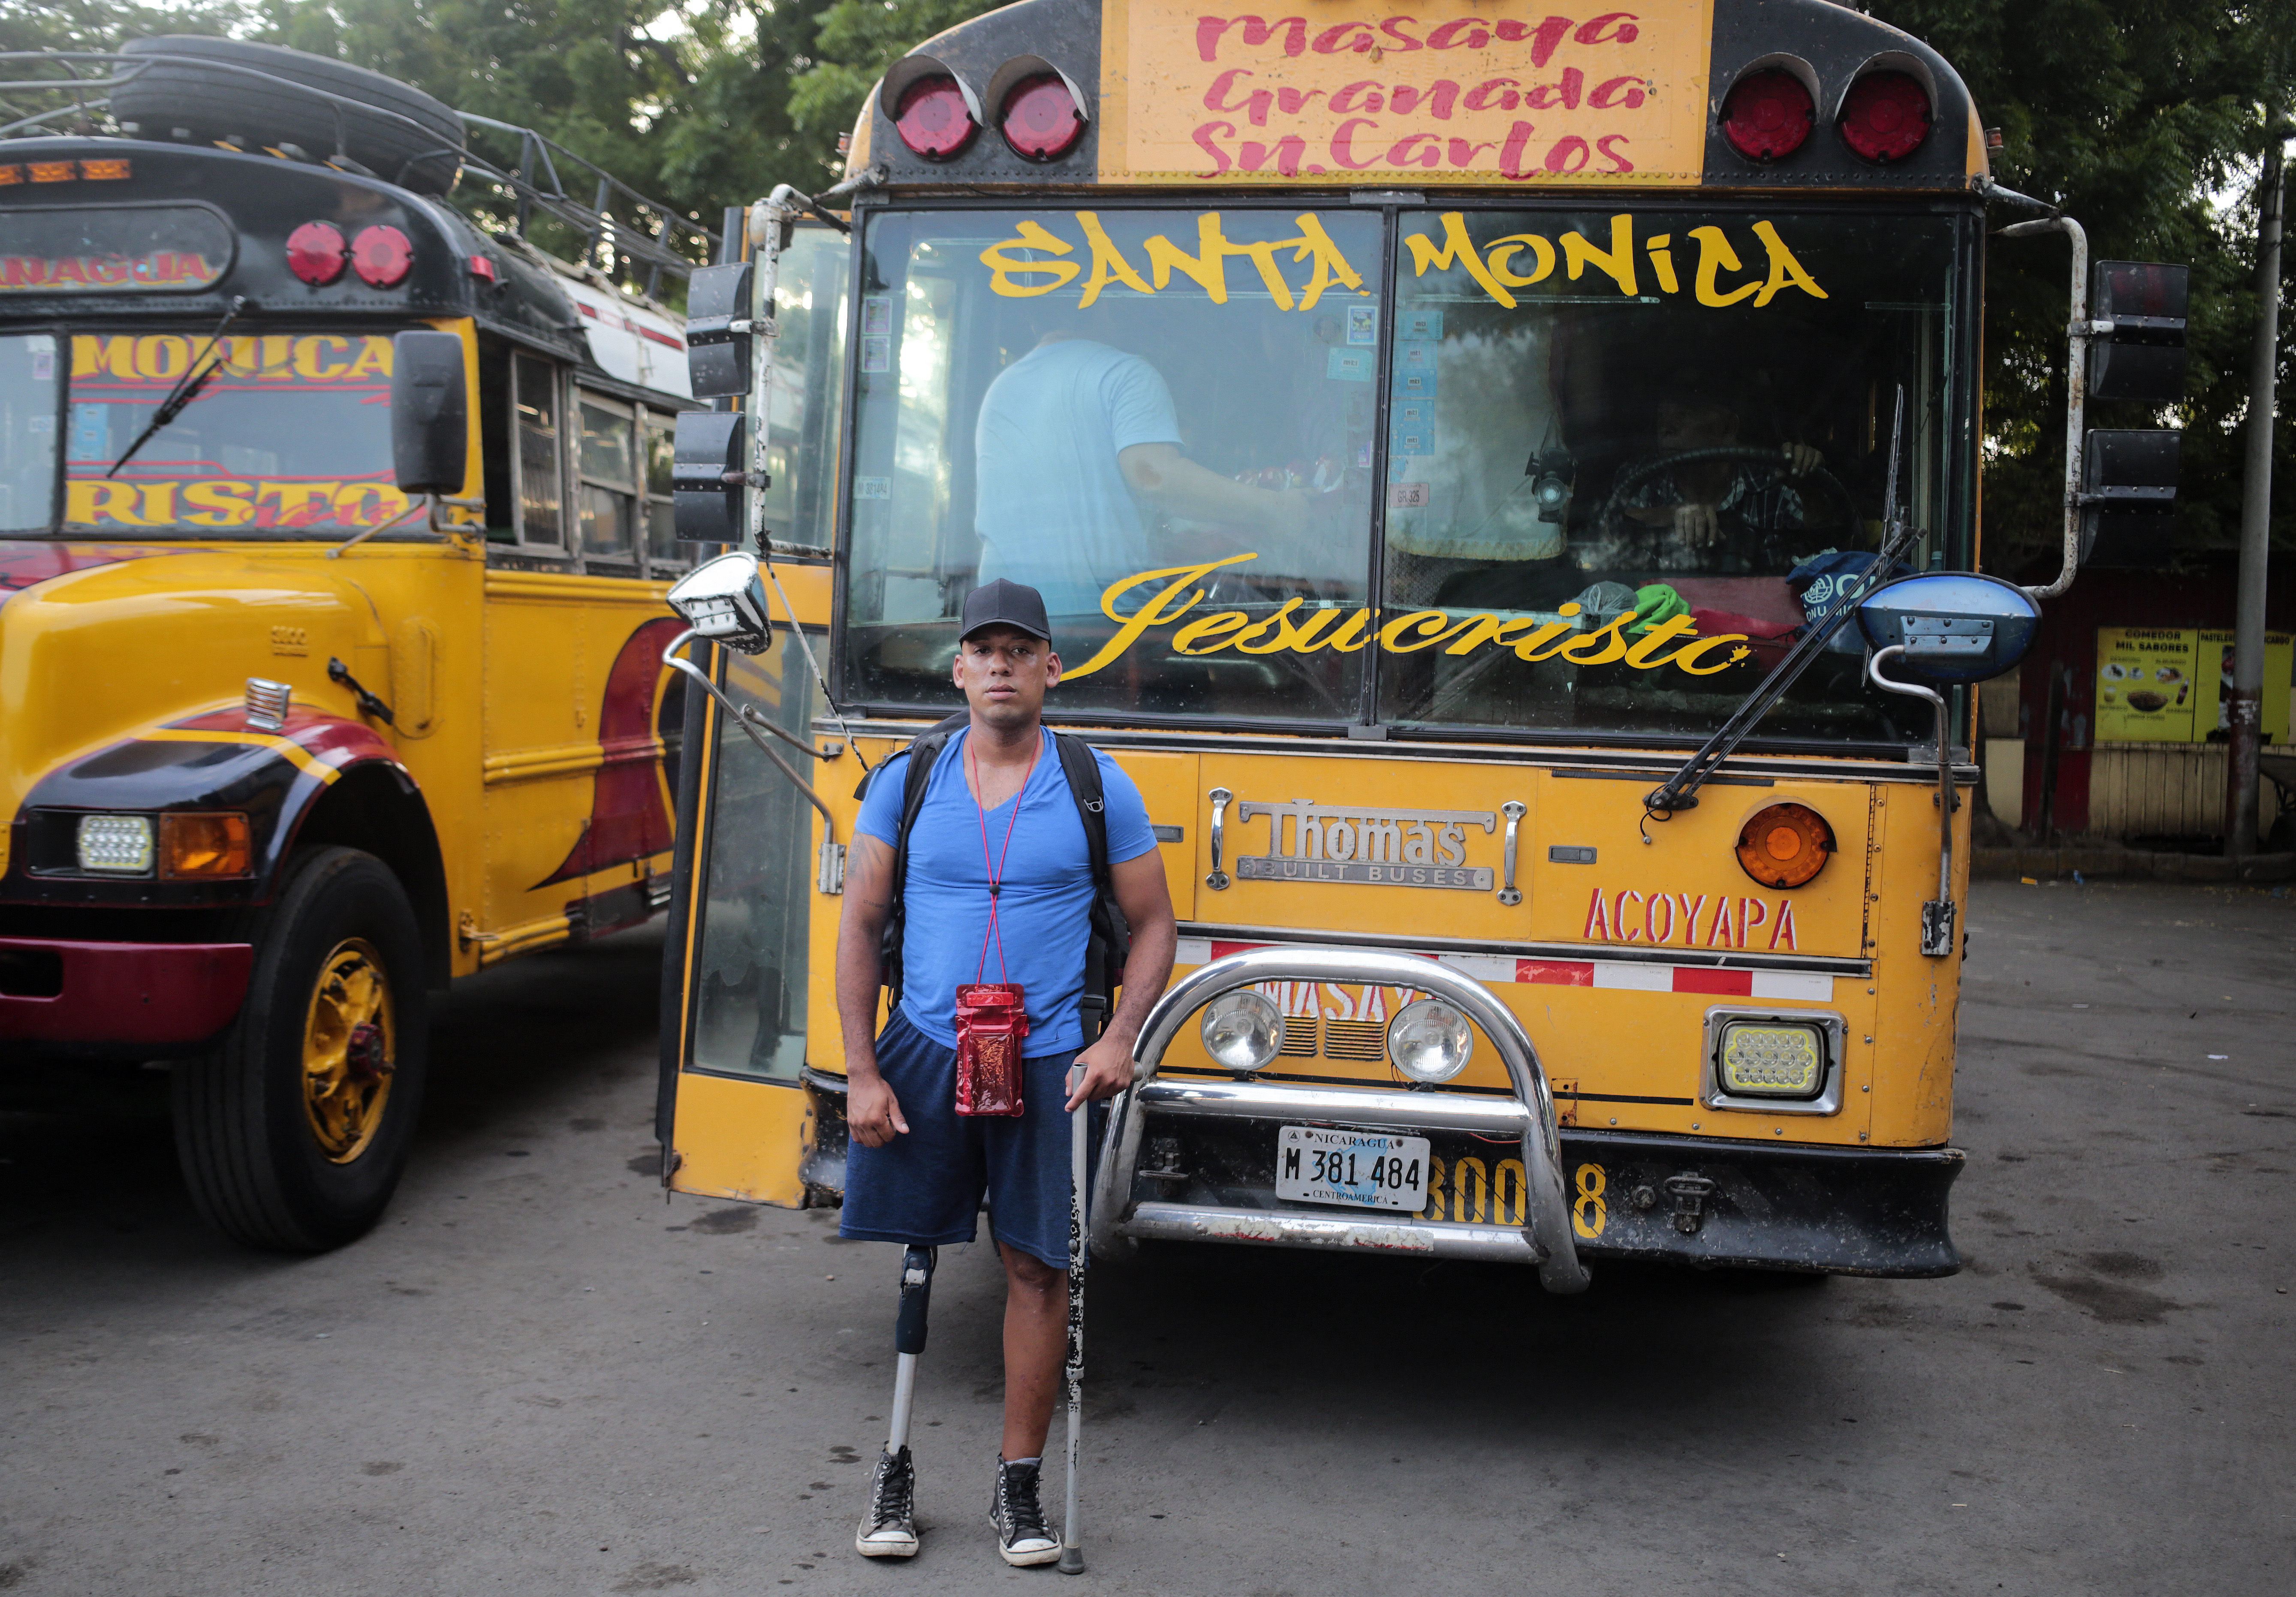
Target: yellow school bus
[[1506, 489], [323, 680]]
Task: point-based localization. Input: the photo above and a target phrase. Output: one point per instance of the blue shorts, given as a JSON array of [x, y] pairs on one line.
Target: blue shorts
[[924, 1187]]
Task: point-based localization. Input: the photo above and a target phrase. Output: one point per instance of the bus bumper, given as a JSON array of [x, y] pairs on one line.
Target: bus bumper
[[1206, 1173], [74, 996]]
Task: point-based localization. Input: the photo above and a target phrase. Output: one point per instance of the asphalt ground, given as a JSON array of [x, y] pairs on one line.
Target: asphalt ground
[[541, 1376]]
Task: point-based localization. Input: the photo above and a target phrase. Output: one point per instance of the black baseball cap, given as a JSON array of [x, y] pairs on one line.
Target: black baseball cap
[[1003, 603]]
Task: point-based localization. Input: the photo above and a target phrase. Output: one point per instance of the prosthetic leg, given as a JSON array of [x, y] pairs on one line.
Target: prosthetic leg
[[889, 1530]]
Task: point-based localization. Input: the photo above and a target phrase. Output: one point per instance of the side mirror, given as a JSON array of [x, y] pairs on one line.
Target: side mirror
[[709, 459], [717, 357], [1951, 626], [724, 600], [2141, 355], [430, 412], [2128, 496]]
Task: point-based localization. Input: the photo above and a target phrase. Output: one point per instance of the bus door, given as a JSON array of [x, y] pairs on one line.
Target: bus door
[[743, 965]]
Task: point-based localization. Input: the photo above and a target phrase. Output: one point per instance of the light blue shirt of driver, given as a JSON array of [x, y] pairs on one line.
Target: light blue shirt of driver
[[1053, 509], [1044, 904]]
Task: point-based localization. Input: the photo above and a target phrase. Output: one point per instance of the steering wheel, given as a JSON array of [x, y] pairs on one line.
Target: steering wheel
[[1607, 520]]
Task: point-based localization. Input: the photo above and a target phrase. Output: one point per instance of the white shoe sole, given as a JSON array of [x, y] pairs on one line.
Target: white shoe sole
[[886, 1546], [1028, 1557]]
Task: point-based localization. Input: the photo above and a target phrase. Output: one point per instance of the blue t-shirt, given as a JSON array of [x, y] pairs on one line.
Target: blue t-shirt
[[1053, 508], [1045, 903]]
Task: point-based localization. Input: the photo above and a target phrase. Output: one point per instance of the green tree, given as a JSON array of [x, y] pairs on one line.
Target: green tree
[[856, 40], [2134, 117]]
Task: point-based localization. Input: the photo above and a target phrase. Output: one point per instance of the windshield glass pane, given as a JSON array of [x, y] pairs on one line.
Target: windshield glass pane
[[1162, 420], [29, 388], [799, 505], [291, 432], [1629, 452]]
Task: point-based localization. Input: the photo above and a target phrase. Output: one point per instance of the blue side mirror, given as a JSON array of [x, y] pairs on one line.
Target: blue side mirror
[[1951, 626]]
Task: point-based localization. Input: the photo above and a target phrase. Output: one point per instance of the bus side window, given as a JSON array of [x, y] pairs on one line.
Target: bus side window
[[539, 461], [655, 438], [494, 442], [609, 467]]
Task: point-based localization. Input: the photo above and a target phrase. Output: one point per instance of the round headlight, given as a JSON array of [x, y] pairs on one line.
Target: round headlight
[[1430, 1041], [1243, 1029]]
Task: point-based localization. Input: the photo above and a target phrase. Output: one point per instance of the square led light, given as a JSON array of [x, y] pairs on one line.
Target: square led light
[[115, 844], [1771, 1059]]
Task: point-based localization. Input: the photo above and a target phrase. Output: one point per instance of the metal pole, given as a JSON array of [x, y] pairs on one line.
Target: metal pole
[[1071, 1531], [2244, 704]]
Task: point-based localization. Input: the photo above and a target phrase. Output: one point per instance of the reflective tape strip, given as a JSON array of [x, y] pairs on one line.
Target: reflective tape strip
[[1807, 985], [1495, 969], [1635, 979]]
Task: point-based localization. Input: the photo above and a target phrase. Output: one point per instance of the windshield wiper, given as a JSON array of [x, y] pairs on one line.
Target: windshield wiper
[[1680, 791], [195, 377]]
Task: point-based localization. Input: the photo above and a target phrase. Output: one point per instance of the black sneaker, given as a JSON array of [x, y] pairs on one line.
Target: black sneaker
[[890, 1528], [1021, 1533]]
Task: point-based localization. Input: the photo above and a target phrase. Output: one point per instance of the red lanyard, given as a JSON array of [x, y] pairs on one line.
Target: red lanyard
[[995, 868]]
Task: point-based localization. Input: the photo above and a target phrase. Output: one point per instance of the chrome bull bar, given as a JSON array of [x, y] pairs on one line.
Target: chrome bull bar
[[1546, 1234]]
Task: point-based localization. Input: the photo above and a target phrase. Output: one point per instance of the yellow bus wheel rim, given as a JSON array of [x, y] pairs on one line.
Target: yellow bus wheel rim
[[349, 1049]]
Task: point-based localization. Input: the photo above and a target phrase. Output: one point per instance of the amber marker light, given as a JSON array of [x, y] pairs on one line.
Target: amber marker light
[[1785, 846], [215, 844]]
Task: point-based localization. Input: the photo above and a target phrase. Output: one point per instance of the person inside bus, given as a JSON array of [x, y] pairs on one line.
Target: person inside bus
[[1079, 451], [1711, 514]]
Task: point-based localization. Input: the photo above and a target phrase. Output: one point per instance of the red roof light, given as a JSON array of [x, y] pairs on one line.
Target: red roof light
[[1042, 119], [382, 257], [933, 118], [1885, 116], [1768, 115], [315, 253]]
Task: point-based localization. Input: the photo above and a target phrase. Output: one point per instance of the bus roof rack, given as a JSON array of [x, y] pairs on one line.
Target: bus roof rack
[[532, 181]]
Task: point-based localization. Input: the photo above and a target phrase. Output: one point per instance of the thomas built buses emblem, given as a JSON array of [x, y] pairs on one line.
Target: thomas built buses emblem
[[1379, 847]]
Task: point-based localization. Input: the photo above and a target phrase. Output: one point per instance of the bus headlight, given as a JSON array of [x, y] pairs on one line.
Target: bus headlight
[[1430, 1041], [1770, 1059], [115, 844], [1243, 1029]]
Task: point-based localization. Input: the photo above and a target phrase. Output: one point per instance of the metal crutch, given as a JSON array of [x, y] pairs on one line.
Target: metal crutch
[[1079, 1122]]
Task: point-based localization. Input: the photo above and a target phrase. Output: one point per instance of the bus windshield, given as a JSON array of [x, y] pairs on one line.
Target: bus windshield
[[1580, 471], [290, 433]]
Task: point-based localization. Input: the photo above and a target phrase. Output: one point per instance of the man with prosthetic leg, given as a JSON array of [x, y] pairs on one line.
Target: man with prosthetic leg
[[995, 872]]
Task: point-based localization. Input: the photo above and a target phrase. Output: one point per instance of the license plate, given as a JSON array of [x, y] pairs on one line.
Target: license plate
[[1363, 1169]]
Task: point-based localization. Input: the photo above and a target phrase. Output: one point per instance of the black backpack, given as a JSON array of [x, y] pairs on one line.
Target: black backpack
[[1109, 941]]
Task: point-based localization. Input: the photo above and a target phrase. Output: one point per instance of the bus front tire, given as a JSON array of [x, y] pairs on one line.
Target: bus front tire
[[292, 1133]]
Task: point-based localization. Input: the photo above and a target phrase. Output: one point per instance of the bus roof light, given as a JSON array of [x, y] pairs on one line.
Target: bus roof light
[[315, 253], [382, 257], [1768, 114], [1885, 116], [1042, 121], [934, 119]]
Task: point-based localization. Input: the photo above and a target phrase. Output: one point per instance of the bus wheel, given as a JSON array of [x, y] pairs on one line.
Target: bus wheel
[[294, 1133]]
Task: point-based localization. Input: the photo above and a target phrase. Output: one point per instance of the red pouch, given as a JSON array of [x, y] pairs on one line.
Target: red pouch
[[990, 1025]]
